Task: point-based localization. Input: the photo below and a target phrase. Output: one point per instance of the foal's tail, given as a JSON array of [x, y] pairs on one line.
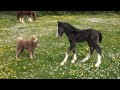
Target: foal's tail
[[100, 36]]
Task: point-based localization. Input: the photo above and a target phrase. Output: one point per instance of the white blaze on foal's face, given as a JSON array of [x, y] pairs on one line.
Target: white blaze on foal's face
[[57, 32]]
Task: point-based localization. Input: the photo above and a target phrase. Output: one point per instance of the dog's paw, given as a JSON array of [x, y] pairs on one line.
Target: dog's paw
[[31, 57]]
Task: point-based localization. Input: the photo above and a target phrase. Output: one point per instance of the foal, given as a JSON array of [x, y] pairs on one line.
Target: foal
[[21, 14], [75, 36]]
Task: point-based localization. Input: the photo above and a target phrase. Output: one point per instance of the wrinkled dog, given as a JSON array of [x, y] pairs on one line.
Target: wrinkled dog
[[29, 45]]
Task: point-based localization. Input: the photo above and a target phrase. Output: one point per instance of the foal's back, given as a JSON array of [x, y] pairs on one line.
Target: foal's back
[[87, 35]]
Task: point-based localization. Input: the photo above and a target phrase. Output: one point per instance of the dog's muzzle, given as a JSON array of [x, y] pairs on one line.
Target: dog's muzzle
[[35, 44]]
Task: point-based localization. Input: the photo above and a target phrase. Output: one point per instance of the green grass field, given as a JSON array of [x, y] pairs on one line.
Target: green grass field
[[51, 50]]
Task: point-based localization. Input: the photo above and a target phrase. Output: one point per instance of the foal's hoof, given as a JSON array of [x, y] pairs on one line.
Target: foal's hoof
[[62, 63], [97, 65], [72, 61], [83, 61]]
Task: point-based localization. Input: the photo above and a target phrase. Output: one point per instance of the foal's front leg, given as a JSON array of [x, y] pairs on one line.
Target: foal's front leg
[[65, 59], [67, 54]]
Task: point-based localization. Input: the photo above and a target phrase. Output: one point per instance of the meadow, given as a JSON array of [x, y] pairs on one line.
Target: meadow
[[50, 51]]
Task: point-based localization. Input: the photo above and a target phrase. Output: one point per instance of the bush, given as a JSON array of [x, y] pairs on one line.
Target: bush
[[43, 13]]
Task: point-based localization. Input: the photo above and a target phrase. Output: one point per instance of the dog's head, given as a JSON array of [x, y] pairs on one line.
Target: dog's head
[[34, 40]]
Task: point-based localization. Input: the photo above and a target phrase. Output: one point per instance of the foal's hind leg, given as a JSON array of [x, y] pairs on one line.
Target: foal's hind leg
[[98, 49], [75, 56], [91, 51]]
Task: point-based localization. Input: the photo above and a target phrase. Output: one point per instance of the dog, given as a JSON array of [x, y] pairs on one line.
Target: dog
[[29, 45]]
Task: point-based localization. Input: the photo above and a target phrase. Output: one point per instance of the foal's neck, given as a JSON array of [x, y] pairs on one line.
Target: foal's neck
[[69, 32]]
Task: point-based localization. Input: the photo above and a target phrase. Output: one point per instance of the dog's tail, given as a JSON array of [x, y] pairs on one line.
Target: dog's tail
[[100, 36]]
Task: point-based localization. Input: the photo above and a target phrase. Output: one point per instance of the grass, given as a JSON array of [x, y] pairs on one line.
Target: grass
[[50, 51]]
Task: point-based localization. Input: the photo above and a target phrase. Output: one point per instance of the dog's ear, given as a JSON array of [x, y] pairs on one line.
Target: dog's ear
[[33, 35], [34, 38]]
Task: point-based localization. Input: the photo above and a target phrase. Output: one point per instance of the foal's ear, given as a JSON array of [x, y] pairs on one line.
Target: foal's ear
[[59, 22]]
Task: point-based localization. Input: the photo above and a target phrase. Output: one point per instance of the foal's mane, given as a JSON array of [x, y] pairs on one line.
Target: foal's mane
[[69, 27]]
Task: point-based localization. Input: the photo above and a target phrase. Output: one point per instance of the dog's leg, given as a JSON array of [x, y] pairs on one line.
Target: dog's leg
[[74, 58], [28, 19], [30, 54], [18, 53], [31, 57]]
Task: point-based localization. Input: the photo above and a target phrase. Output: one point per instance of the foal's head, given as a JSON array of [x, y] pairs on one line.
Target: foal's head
[[60, 29]]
